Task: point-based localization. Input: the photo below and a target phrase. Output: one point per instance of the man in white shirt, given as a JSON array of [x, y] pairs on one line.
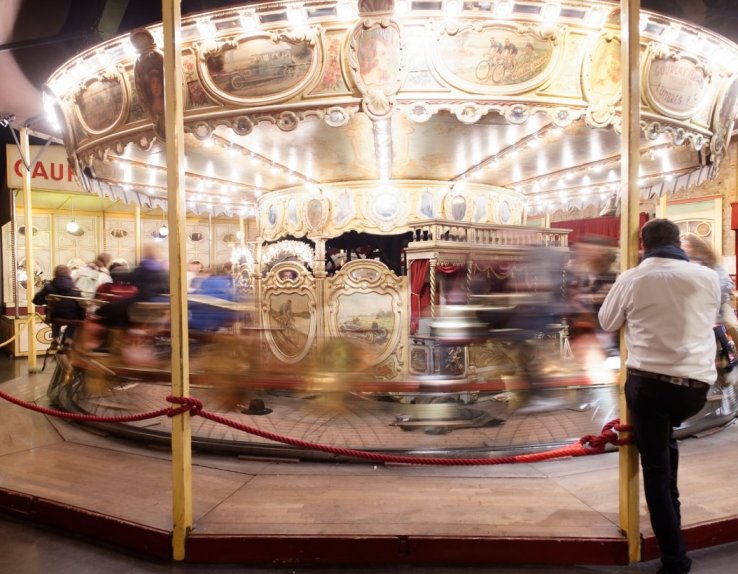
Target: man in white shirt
[[668, 308]]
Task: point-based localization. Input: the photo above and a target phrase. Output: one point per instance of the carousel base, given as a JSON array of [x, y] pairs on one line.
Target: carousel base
[[261, 511]]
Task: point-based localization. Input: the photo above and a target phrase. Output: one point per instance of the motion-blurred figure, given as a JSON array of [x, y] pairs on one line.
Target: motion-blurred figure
[[541, 278], [592, 276], [61, 309], [88, 278], [219, 289], [699, 251], [119, 288]]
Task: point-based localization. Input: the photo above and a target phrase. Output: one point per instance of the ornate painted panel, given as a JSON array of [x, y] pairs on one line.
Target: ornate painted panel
[[332, 76], [364, 302], [101, 102], [676, 84], [258, 67], [289, 311], [497, 58], [601, 77]]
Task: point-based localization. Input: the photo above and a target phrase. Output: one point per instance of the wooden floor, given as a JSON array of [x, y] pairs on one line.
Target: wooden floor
[[264, 511]]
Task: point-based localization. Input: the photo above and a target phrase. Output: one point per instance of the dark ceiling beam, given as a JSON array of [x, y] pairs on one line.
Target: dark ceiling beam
[[111, 18]]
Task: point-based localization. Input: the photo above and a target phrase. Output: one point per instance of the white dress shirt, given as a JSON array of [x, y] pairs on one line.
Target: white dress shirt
[[668, 307]]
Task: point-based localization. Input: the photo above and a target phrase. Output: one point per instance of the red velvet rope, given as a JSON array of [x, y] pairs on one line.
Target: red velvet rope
[[195, 408], [89, 418]]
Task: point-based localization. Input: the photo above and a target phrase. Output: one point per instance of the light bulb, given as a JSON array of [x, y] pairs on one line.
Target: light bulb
[[163, 231], [72, 226]]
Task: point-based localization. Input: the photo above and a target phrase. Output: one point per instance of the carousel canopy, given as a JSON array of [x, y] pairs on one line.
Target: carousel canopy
[[413, 102]]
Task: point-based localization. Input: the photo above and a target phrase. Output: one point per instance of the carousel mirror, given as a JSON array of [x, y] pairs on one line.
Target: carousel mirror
[[22, 275], [22, 230]]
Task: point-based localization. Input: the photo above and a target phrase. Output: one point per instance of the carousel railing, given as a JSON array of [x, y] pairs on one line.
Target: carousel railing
[[444, 232]]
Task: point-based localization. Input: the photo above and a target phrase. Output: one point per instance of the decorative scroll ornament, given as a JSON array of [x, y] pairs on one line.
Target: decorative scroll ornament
[[149, 77]]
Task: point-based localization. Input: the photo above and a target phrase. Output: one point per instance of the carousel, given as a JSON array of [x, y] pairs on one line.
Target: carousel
[[382, 169]]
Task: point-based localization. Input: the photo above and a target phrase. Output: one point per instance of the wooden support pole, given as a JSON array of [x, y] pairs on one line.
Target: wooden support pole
[[137, 232], [30, 261], [174, 133], [629, 233]]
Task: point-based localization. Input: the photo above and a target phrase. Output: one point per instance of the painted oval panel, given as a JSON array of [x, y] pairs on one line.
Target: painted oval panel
[[676, 86], [259, 67], [100, 105], [367, 317], [602, 78], [289, 325], [379, 56], [494, 56], [292, 215], [728, 109]]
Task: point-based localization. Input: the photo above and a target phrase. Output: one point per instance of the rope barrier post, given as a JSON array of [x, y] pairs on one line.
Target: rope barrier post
[[176, 202], [630, 204]]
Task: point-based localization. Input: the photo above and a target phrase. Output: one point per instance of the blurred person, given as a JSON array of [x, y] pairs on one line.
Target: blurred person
[[64, 309], [194, 270], [88, 278], [219, 287], [668, 308], [119, 287], [699, 251], [541, 277], [150, 278], [96, 338], [592, 272]]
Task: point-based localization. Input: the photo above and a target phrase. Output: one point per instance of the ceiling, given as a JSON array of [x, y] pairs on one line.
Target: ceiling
[[36, 36]]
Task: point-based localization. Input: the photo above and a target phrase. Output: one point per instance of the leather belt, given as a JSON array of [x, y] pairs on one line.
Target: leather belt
[[680, 381]]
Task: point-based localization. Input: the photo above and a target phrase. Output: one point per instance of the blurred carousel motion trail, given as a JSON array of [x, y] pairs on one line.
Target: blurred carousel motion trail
[[335, 399], [261, 508]]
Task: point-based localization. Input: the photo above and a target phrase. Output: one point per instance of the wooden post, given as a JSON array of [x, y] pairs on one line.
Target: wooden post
[[30, 262], [174, 132], [137, 233], [629, 207]]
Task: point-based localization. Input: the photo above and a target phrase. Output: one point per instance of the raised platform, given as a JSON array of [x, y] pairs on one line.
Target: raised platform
[[282, 512]]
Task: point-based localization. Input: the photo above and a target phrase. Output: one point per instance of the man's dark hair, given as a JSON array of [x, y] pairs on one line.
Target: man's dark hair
[[659, 233]]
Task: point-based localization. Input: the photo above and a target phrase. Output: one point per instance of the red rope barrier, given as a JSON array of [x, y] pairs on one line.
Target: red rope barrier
[[578, 449], [87, 418], [195, 408]]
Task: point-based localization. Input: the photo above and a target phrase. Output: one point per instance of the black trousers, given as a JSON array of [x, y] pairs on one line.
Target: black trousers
[[655, 408]]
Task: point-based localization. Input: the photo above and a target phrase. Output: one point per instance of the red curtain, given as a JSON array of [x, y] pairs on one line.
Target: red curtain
[[419, 291], [605, 226], [500, 269]]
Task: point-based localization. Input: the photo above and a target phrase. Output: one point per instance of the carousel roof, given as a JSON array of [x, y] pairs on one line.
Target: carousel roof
[[519, 96]]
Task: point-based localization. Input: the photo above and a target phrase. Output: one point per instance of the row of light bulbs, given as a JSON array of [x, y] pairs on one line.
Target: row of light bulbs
[[537, 182]]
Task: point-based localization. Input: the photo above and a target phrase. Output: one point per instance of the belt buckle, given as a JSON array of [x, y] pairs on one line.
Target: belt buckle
[[677, 380]]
